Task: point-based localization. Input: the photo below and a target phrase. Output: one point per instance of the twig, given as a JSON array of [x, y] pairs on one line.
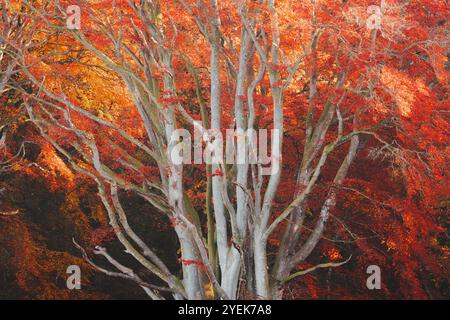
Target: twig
[[322, 265]]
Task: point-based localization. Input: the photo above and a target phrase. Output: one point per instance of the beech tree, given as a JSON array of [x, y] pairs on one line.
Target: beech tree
[[321, 74]]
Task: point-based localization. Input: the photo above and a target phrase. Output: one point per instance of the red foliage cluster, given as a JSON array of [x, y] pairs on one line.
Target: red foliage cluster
[[102, 236], [216, 173], [199, 265]]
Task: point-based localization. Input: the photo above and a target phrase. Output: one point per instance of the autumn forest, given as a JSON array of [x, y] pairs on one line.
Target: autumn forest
[[224, 149]]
